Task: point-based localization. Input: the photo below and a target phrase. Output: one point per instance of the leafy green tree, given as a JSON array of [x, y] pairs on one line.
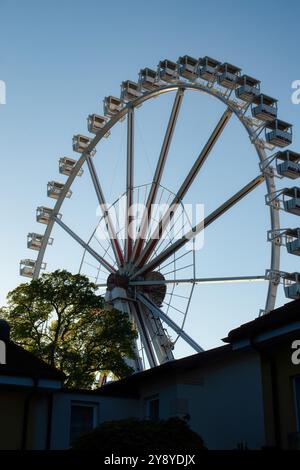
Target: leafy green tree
[[141, 437], [60, 318]]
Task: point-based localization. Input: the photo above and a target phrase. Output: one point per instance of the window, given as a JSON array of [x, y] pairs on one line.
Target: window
[[152, 407], [83, 419], [297, 401]]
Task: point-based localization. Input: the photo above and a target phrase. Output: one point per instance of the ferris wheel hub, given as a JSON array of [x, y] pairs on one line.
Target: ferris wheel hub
[[155, 287], [117, 280]]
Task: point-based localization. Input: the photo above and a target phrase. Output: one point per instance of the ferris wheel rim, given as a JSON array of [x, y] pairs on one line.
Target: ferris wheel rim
[[179, 85]]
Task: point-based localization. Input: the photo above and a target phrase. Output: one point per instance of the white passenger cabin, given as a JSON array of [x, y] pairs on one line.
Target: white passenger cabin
[[208, 68], [149, 79], [293, 241], [291, 200], [80, 143], [248, 89], [54, 190], [66, 166], [228, 75], [289, 164], [168, 71], [265, 107], [43, 214], [188, 67], [280, 133], [130, 90], [27, 267], [34, 241], [112, 105], [95, 123], [292, 285]]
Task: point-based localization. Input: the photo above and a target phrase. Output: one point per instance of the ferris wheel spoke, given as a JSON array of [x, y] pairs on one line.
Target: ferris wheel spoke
[[129, 182], [173, 271], [157, 311], [158, 260], [199, 280], [158, 174], [105, 250], [163, 223], [183, 255], [87, 247], [101, 199], [169, 305]]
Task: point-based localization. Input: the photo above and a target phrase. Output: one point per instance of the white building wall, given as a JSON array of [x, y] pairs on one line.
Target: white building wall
[[226, 405], [224, 401], [108, 408], [39, 419], [167, 392]]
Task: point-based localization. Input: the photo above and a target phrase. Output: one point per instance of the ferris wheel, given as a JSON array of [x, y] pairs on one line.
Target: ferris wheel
[[142, 251]]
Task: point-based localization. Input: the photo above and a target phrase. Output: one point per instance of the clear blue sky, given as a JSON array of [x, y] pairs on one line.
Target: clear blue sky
[[60, 58]]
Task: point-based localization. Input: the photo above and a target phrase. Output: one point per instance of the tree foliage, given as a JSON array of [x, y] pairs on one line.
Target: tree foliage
[[60, 318], [141, 437]]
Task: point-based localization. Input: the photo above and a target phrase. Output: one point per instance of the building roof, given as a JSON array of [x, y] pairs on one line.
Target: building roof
[[22, 363], [128, 386], [280, 317]]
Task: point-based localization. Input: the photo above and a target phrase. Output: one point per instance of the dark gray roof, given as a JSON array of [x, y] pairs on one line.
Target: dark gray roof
[[282, 316], [20, 362]]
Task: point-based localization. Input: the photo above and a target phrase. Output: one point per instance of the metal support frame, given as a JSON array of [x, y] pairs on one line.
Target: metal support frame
[[121, 302], [159, 339], [145, 336]]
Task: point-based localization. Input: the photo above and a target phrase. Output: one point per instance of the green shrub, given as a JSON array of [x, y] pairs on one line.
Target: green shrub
[[141, 436]]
